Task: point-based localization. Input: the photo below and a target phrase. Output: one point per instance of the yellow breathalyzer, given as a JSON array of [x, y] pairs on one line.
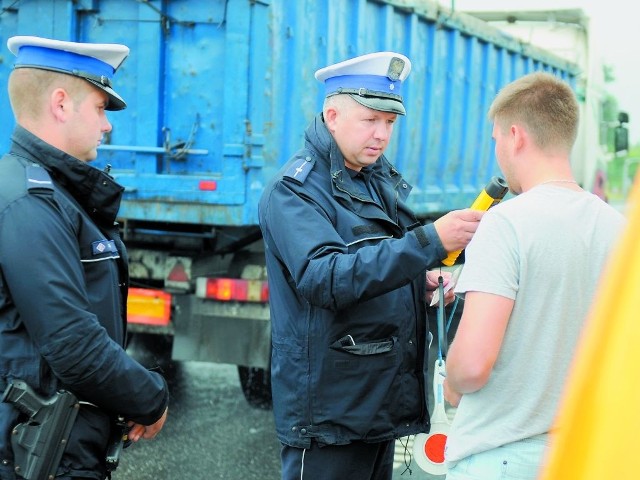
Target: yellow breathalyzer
[[495, 191]]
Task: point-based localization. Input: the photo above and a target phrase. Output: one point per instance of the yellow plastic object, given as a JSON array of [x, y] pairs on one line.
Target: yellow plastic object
[[495, 191], [599, 419], [482, 202]]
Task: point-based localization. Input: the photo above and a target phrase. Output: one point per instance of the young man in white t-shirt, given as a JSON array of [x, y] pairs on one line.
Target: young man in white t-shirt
[[530, 275]]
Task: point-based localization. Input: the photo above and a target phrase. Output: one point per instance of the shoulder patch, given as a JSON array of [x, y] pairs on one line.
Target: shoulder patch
[[300, 169], [38, 179], [100, 247]]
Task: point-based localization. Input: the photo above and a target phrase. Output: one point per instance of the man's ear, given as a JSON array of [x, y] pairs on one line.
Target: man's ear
[[330, 117], [60, 104], [519, 136]]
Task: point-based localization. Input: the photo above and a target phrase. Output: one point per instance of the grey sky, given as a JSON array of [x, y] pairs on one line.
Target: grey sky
[[613, 23]]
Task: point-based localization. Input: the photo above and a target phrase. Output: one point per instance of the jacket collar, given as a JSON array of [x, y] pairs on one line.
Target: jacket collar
[[96, 192]]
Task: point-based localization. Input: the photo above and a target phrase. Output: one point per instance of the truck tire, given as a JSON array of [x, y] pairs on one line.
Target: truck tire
[[256, 386], [150, 349]]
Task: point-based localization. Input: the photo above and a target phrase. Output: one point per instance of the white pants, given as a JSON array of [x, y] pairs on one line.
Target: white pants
[[515, 461]]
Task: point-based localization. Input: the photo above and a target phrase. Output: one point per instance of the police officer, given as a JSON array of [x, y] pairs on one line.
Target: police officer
[[347, 264], [63, 267]]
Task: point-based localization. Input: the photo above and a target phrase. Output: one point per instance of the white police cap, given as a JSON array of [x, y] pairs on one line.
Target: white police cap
[[373, 80], [95, 62]]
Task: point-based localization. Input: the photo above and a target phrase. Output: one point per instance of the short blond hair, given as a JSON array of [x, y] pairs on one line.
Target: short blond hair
[[30, 87], [544, 104], [340, 101]]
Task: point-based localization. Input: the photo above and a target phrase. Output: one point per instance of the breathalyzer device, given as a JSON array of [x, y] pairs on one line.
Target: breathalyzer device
[[495, 191]]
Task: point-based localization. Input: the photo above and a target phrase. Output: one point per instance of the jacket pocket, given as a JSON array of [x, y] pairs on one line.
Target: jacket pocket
[[356, 384], [376, 347]]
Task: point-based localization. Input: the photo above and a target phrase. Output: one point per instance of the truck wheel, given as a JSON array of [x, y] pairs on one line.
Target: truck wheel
[[150, 349], [256, 386]]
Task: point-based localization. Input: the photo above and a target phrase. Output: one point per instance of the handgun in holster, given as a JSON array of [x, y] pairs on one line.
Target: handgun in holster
[[39, 442], [118, 440]]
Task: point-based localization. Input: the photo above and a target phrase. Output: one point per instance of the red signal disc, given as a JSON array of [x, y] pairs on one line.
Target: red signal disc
[[434, 447]]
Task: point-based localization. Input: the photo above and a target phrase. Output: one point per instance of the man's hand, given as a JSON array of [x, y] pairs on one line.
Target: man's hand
[[456, 228], [137, 431], [450, 395]]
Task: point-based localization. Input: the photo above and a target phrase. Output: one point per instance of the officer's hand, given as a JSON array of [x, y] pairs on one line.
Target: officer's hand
[[432, 286], [152, 430], [456, 228], [137, 431]]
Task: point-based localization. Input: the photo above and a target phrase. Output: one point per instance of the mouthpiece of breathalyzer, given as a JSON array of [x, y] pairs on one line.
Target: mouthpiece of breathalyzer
[[495, 191]]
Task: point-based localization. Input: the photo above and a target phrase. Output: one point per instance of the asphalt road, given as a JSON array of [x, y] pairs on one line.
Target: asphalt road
[[211, 432]]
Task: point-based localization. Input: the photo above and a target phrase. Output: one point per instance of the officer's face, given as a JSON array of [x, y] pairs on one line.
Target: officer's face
[[87, 124], [362, 134]]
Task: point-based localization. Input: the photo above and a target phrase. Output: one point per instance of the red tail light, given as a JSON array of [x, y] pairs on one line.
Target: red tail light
[[232, 289]]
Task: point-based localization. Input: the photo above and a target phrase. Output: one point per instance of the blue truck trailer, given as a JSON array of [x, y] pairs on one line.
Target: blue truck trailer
[[219, 93]]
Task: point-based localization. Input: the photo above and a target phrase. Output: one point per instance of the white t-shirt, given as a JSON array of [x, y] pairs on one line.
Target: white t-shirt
[[545, 249]]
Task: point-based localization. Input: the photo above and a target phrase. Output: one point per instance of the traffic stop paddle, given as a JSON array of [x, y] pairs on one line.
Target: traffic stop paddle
[[428, 449]]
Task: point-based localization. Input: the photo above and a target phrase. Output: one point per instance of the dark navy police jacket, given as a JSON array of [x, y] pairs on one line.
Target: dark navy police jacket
[[63, 287], [346, 263]]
